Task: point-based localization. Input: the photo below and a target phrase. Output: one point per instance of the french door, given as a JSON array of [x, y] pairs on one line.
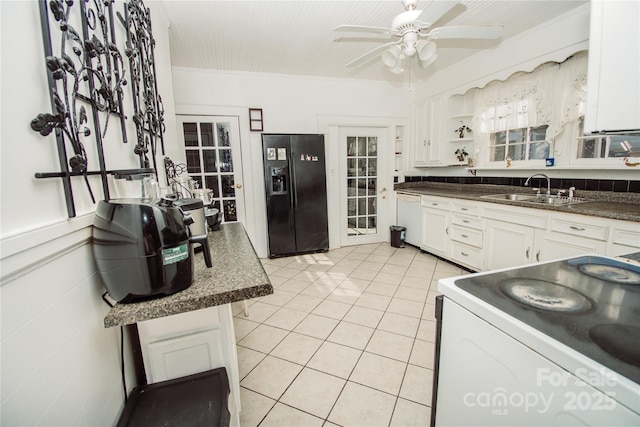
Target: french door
[[212, 151], [364, 190]]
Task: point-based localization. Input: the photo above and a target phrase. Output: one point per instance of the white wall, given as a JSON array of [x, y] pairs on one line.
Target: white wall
[[291, 104], [59, 365]]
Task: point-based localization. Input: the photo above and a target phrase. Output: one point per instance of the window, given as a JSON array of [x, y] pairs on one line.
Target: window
[[521, 144], [531, 116], [606, 146]]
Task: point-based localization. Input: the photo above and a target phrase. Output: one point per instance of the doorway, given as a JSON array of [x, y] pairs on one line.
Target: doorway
[[363, 186], [212, 151]]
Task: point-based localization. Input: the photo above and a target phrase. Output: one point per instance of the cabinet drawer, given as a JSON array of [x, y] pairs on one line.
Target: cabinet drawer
[[467, 221], [516, 215], [591, 231], [466, 235], [466, 255], [436, 203], [466, 209], [626, 237]]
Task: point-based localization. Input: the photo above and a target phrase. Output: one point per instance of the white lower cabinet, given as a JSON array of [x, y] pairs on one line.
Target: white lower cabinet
[[466, 255], [552, 246], [568, 236], [467, 235], [625, 238], [537, 237], [185, 355], [435, 225], [192, 342], [488, 236], [508, 245]]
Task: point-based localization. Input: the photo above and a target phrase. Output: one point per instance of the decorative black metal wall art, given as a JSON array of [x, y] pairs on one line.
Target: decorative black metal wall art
[[87, 73], [148, 111]]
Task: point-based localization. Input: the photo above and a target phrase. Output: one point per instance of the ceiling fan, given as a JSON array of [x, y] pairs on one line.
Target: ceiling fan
[[416, 38]]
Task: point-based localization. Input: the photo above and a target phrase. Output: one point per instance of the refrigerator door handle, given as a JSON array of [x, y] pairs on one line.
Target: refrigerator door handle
[[293, 193]]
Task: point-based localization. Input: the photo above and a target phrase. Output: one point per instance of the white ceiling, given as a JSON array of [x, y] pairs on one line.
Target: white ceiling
[[297, 37]]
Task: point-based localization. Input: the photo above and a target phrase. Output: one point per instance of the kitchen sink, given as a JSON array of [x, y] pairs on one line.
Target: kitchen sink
[[556, 200], [532, 198], [510, 197]]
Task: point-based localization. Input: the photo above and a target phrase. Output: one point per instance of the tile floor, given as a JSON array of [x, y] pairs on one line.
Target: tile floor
[[347, 338]]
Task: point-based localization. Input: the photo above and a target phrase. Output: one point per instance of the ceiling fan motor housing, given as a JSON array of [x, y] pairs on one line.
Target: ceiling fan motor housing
[[410, 4]]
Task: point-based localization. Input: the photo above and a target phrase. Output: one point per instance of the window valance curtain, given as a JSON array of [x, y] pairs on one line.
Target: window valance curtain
[[553, 94]]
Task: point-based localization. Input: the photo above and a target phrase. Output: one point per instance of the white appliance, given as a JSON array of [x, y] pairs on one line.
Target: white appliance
[[409, 217], [554, 343]]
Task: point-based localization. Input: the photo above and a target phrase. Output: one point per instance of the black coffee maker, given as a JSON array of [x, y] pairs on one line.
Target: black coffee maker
[[142, 248]]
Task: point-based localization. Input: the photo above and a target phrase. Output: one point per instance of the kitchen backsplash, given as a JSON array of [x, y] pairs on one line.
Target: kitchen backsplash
[[620, 186]]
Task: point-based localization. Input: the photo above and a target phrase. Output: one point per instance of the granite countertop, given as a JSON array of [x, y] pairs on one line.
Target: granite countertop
[[237, 274], [622, 206]]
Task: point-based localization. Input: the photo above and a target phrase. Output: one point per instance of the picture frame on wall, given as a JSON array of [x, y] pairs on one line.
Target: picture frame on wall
[[255, 120]]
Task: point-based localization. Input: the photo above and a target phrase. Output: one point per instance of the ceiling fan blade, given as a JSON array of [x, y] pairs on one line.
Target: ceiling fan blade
[[467, 32], [436, 9], [362, 29], [360, 59]]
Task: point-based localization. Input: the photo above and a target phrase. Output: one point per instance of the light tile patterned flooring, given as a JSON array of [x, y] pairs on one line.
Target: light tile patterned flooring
[[347, 338]]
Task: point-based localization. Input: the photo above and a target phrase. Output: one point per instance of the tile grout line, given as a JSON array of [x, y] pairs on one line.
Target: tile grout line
[[341, 319]]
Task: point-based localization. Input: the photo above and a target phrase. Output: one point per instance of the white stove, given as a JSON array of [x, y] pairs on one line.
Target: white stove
[[554, 343]]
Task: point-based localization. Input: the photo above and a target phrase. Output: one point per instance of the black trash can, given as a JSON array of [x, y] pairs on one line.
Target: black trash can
[[397, 236]]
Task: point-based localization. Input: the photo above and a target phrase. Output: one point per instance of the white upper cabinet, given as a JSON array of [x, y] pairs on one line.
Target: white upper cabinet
[[427, 143], [613, 90]]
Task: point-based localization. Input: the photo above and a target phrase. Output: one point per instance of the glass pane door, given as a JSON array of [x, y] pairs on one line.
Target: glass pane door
[[210, 144], [364, 203], [362, 185]]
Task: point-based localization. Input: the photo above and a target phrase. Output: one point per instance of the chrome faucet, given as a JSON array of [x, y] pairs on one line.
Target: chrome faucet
[[526, 183]]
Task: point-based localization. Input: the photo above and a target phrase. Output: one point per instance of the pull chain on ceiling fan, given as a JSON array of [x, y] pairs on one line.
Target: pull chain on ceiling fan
[[416, 38]]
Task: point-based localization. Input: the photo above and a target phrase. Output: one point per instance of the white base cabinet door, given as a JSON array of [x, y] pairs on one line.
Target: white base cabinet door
[[186, 355], [554, 246], [508, 245], [436, 216], [192, 342], [435, 231]]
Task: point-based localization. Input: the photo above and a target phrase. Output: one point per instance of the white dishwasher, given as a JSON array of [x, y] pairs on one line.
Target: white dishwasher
[[409, 217]]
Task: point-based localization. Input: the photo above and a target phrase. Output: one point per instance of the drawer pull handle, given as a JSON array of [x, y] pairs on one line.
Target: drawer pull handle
[[434, 204], [466, 221], [464, 254], [575, 227], [464, 235], [464, 209]]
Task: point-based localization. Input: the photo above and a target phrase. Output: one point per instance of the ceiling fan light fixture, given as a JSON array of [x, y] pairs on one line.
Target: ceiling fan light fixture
[[399, 67], [391, 56], [425, 64], [426, 50]]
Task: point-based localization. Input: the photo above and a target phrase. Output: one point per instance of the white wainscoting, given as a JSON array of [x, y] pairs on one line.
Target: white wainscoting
[[60, 366]]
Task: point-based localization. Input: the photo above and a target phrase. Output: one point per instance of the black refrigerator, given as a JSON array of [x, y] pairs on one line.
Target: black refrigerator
[[296, 192]]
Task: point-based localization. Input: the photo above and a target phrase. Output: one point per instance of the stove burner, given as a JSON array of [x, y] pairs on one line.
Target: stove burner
[[545, 295], [611, 273], [620, 341]]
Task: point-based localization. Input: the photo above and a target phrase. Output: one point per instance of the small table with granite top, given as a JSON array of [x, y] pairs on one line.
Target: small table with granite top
[[192, 331]]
